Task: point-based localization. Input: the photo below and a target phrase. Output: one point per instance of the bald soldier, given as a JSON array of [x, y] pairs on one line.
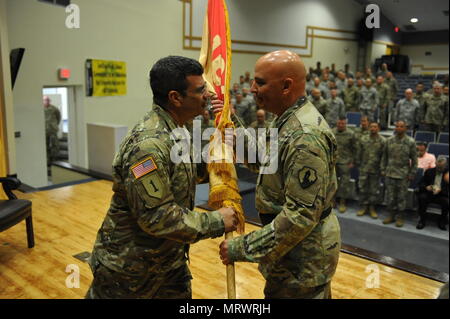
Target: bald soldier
[[142, 247], [399, 165], [407, 110], [351, 96], [368, 100], [435, 110], [298, 247], [260, 120], [319, 102]]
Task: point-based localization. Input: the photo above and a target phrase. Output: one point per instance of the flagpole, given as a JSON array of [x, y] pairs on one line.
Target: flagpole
[[231, 277]]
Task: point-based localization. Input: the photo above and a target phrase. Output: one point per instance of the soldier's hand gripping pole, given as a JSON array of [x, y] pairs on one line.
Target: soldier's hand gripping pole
[[231, 278]]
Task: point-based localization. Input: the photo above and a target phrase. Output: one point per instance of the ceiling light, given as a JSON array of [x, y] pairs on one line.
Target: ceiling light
[[414, 20]]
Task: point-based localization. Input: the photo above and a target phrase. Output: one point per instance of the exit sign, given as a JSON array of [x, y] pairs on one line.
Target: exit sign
[[64, 74]]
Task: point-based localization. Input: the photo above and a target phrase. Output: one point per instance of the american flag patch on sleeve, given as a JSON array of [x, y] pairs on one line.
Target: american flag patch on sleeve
[[144, 167]]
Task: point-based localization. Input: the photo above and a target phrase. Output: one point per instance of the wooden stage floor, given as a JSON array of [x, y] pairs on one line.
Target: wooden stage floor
[[66, 221]]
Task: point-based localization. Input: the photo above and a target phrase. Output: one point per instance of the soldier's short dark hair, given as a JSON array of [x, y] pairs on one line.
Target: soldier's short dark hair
[[422, 144], [169, 74], [375, 122]]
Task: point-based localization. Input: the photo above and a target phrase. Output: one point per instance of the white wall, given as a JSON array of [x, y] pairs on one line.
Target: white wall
[[437, 62], [285, 22], [140, 32]]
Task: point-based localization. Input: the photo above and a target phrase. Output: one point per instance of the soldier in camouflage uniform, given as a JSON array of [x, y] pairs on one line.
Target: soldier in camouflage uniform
[[260, 120], [399, 165], [52, 120], [243, 108], [420, 95], [346, 153], [435, 110], [368, 100], [393, 89], [298, 248], [368, 159], [407, 110], [336, 108], [383, 100], [142, 246], [363, 128], [319, 102], [351, 97], [340, 81]]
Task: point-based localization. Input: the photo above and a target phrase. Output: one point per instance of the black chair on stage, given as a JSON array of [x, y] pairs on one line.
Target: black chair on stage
[[13, 210]]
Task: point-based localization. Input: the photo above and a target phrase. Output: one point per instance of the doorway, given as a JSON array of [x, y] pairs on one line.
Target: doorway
[[58, 98], [70, 134]]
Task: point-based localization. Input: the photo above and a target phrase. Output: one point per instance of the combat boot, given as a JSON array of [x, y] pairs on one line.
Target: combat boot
[[373, 212], [399, 222], [362, 211], [390, 219], [342, 207]]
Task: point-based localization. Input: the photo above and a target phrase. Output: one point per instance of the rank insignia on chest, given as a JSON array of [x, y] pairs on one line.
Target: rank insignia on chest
[[307, 176], [143, 167]]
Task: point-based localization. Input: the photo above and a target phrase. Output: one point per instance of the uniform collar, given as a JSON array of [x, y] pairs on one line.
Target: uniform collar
[[170, 122], [287, 114]]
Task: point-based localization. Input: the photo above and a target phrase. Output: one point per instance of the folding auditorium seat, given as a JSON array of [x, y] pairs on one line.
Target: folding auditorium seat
[[443, 138], [425, 136], [438, 149], [354, 118]]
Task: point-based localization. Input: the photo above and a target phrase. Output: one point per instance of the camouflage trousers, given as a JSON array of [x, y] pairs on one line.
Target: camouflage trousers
[[108, 284], [273, 290], [52, 144], [344, 185], [384, 111], [369, 188], [396, 193], [372, 115]]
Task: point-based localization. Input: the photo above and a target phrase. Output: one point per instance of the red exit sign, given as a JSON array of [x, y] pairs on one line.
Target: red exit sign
[[64, 74]]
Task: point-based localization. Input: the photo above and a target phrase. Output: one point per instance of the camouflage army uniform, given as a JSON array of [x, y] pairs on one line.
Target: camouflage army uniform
[[297, 250], [435, 112], [398, 163], [206, 125], [52, 120], [346, 152], [360, 132], [383, 106], [407, 111], [142, 246], [321, 105], [351, 99], [336, 110], [368, 160], [368, 102], [244, 110], [393, 89], [255, 125], [421, 97]]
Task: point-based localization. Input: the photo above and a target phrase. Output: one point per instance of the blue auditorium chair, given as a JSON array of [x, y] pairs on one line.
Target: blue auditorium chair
[[425, 136], [438, 149], [354, 118], [443, 138]]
